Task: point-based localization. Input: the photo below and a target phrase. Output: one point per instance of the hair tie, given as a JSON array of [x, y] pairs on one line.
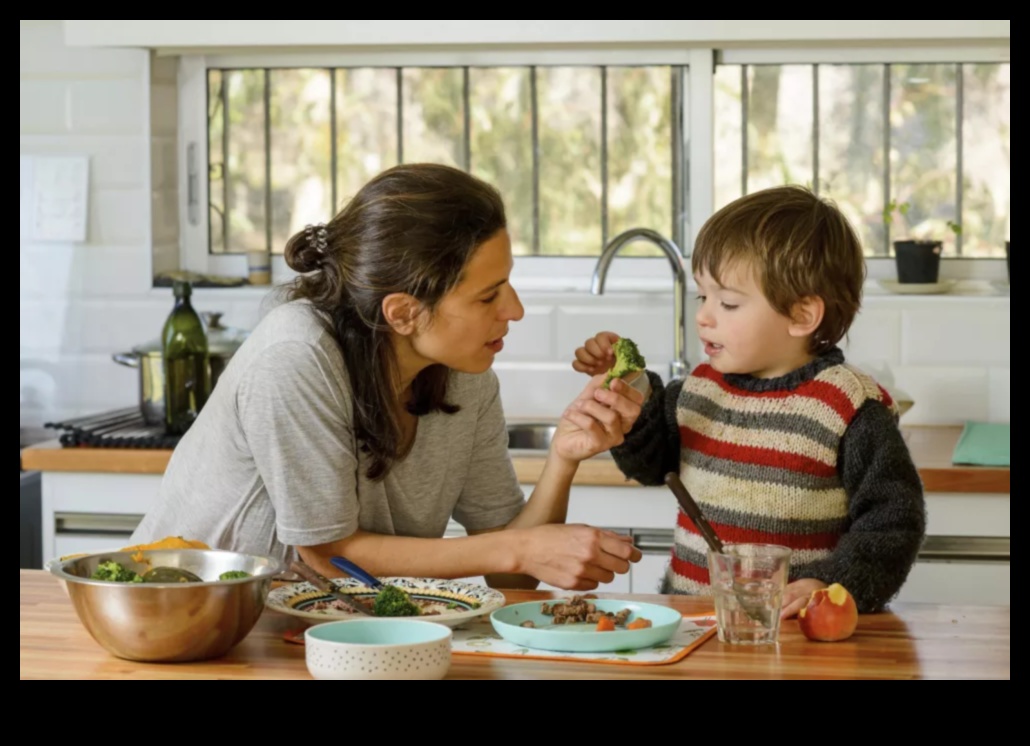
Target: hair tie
[[317, 236]]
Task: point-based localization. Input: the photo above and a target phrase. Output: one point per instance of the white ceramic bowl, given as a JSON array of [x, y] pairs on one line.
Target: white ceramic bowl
[[378, 649]]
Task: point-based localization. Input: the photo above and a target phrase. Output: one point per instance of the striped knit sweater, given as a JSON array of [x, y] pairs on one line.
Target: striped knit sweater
[[812, 460]]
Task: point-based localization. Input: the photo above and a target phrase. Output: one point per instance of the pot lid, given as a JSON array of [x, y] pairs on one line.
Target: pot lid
[[222, 340]]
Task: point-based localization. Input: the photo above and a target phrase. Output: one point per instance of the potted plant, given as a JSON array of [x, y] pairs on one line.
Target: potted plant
[[918, 259]]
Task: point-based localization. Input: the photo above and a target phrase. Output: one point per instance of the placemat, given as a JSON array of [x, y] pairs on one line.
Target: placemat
[[477, 637], [983, 444]]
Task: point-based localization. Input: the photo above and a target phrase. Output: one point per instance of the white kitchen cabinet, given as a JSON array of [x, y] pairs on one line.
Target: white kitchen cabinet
[[84, 512]]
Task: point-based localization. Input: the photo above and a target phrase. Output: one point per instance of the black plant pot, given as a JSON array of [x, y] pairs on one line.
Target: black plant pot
[[1008, 271], [918, 261]]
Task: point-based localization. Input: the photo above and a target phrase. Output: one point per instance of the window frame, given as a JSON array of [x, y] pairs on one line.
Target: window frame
[[543, 273]]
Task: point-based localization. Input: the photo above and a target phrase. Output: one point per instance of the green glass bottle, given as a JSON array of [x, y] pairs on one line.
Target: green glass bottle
[[187, 366]]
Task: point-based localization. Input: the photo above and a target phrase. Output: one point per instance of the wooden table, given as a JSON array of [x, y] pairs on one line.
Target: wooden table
[[913, 641]]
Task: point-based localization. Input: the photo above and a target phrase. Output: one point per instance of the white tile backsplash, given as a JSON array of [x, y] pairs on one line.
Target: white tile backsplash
[[45, 107], [107, 106], [955, 335], [81, 303], [115, 162], [998, 396], [943, 394]]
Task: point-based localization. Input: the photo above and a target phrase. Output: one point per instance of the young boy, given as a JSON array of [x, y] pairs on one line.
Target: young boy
[[777, 438]]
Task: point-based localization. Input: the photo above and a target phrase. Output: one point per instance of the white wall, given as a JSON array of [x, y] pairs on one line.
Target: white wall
[[82, 302]]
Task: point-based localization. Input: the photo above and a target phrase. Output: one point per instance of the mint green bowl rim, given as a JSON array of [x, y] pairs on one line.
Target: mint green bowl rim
[[395, 632], [664, 619]]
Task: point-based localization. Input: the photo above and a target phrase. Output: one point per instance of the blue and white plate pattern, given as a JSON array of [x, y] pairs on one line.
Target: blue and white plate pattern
[[450, 602]]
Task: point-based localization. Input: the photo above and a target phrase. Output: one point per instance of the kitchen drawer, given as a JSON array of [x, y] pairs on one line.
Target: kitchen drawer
[[65, 544], [646, 575], [957, 582]]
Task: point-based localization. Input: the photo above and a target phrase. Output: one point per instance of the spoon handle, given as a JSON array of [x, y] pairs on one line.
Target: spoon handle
[[692, 509], [341, 563]]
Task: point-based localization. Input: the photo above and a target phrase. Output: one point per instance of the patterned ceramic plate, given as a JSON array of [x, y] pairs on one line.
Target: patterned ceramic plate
[[449, 602]]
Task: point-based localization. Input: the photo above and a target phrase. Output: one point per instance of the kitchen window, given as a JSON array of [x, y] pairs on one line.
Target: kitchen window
[[586, 144]]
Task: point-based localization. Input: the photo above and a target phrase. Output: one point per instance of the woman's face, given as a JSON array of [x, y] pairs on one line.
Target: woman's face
[[468, 326]]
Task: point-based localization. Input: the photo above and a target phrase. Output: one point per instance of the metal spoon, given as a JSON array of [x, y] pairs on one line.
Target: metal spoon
[[756, 611]]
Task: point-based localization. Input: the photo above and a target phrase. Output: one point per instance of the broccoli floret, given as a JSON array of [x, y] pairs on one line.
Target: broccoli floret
[[233, 574], [392, 601], [114, 572], [627, 360]]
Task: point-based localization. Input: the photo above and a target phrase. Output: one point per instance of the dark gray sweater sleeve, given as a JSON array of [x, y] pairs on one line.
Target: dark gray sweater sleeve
[[886, 511], [652, 447]]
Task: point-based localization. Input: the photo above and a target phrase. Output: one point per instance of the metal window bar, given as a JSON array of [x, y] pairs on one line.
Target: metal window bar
[[535, 120], [333, 146], [226, 207], [268, 160], [466, 96], [679, 166], [886, 156], [815, 129], [604, 155], [744, 102], [400, 115], [960, 94]]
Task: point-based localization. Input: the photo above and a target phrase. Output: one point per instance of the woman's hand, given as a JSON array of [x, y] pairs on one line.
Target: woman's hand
[[575, 557], [796, 595], [596, 355], [597, 420]]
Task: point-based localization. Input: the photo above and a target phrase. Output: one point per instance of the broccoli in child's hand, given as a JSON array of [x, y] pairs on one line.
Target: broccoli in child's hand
[[627, 360], [233, 574], [392, 601], [114, 572]]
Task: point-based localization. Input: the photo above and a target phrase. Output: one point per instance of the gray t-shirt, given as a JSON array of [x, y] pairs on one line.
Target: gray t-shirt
[[272, 461]]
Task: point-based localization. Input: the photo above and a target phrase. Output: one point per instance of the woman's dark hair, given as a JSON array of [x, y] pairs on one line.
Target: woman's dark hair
[[411, 229]]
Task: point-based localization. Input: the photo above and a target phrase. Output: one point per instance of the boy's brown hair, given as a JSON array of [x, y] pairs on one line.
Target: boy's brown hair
[[798, 245]]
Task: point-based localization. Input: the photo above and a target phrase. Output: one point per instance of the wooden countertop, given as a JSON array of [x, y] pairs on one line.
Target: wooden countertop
[[912, 641], [931, 448]]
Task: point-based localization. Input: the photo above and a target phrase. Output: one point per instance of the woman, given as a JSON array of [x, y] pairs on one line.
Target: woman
[[362, 414]]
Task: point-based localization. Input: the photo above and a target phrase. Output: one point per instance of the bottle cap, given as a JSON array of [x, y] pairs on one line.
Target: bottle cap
[[182, 288]]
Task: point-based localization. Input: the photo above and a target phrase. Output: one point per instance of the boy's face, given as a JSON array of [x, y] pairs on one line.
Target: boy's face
[[740, 331]]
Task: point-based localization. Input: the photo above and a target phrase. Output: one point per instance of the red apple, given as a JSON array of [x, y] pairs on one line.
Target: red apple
[[830, 615]]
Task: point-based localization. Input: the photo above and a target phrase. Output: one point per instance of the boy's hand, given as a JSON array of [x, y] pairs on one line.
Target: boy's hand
[[597, 420], [596, 355], [796, 595]]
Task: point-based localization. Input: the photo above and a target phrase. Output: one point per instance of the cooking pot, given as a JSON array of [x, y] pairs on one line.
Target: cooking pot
[[222, 343]]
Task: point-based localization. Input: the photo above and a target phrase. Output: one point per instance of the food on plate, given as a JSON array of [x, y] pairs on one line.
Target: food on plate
[[579, 610], [170, 575], [392, 601], [115, 572], [233, 575], [627, 360], [830, 615]]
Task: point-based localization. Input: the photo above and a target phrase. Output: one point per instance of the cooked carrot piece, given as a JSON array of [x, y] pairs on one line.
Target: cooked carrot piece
[[639, 623], [605, 624]]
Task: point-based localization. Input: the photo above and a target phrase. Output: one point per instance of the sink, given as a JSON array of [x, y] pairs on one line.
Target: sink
[[533, 436]]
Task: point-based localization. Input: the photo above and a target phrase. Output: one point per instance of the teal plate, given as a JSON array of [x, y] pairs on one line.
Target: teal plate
[[584, 638]]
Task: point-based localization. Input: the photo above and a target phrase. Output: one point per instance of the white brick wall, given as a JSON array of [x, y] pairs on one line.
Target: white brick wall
[[82, 302]]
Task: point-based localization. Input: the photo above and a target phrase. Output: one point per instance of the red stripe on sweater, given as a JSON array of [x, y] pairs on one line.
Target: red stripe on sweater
[[819, 390], [690, 570], [736, 535], [744, 454]]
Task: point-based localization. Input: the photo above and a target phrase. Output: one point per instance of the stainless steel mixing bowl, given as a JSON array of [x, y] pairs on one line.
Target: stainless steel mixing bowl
[[169, 621]]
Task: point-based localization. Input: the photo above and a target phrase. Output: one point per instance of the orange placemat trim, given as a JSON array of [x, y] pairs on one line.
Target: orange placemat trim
[[479, 638]]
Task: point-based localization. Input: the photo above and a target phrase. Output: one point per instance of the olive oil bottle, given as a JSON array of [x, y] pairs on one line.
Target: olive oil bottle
[[187, 366]]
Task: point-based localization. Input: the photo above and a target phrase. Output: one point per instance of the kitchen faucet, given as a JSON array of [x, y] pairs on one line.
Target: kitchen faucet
[[678, 367]]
